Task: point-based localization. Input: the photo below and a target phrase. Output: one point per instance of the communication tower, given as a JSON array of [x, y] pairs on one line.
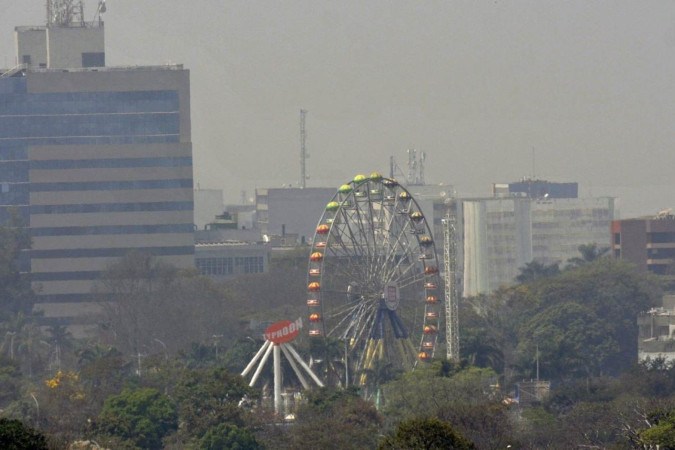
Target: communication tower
[[303, 150]]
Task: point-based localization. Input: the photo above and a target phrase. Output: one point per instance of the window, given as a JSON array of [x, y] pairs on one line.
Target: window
[[93, 59], [214, 266], [25, 59]]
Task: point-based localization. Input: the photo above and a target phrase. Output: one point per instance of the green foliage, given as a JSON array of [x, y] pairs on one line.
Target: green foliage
[[583, 320], [589, 253], [334, 418], [10, 381], [207, 398], [14, 435], [142, 416], [572, 341], [468, 398], [534, 270], [662, 433], [155, 305], [425, 433], [228, 436]]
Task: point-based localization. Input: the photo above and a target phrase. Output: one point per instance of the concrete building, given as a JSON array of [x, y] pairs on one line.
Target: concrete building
[[296, 211], [98, 160], [208, 204], [647, 242], [500, 235], [223, 260], [533, 188]]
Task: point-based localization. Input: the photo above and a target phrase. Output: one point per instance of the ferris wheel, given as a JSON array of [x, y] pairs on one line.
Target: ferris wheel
[[373, 284]]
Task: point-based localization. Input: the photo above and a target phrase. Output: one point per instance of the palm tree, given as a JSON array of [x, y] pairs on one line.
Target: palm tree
[[589, 253], [62, 340], [535, 270]]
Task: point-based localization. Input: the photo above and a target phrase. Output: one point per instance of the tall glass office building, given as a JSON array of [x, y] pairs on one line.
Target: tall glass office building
[[98, 161]]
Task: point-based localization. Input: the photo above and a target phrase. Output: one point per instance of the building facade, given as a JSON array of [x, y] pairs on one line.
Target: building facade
[[296, 211], [98, 161], [222, 260], [647, 242], [501, 235]]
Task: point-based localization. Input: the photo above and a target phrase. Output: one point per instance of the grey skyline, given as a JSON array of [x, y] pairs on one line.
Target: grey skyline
[[475, 85]]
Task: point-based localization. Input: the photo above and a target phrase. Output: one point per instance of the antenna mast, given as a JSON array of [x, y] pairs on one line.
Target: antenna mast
[[303, 150], [451, 291], [423, 157], [412, 166], [62, 13]]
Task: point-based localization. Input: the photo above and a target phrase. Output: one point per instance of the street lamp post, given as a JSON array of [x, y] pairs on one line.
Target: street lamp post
[[166, 354]]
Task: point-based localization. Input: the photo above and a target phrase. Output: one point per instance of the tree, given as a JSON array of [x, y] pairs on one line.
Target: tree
[[589, 254], [14, 435], [335, 419], [535, 270], [208, 397], [468, 398], [151, 302], [570, 339], [228, 436], [425, 433], [662, 431], [142, 416]]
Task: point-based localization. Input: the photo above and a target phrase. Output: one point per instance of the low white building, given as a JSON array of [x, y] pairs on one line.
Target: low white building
[[656, 338]]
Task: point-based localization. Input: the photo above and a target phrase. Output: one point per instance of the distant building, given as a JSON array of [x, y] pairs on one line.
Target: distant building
[[656, 336], [208, 204], [98, 161], [61, 44], [223, 260], [501, 235], [295, 211], [647, 242], [536, 189]]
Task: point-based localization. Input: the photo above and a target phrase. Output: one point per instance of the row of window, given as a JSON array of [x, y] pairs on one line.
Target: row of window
[[109, 252], [111, 207], [112, 185], [227, 265], [89, 102], [113, 229], [89, 125], [107, 163], [94, 140]]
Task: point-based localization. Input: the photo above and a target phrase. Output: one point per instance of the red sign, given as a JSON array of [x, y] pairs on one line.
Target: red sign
[[283, 331]]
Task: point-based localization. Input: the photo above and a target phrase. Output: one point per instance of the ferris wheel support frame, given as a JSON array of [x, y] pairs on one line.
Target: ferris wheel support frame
[[451, 292]]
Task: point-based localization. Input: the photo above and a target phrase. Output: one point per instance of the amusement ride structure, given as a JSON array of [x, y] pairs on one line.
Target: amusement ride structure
[[278, 337], [373, 287]]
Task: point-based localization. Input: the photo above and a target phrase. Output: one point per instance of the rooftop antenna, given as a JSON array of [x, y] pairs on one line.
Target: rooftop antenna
[[63, 13], [412, 166], [303, 150], [99, 11], [423, 157]]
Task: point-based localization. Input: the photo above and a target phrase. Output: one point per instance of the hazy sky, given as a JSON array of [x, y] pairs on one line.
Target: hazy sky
[[477, 85]]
